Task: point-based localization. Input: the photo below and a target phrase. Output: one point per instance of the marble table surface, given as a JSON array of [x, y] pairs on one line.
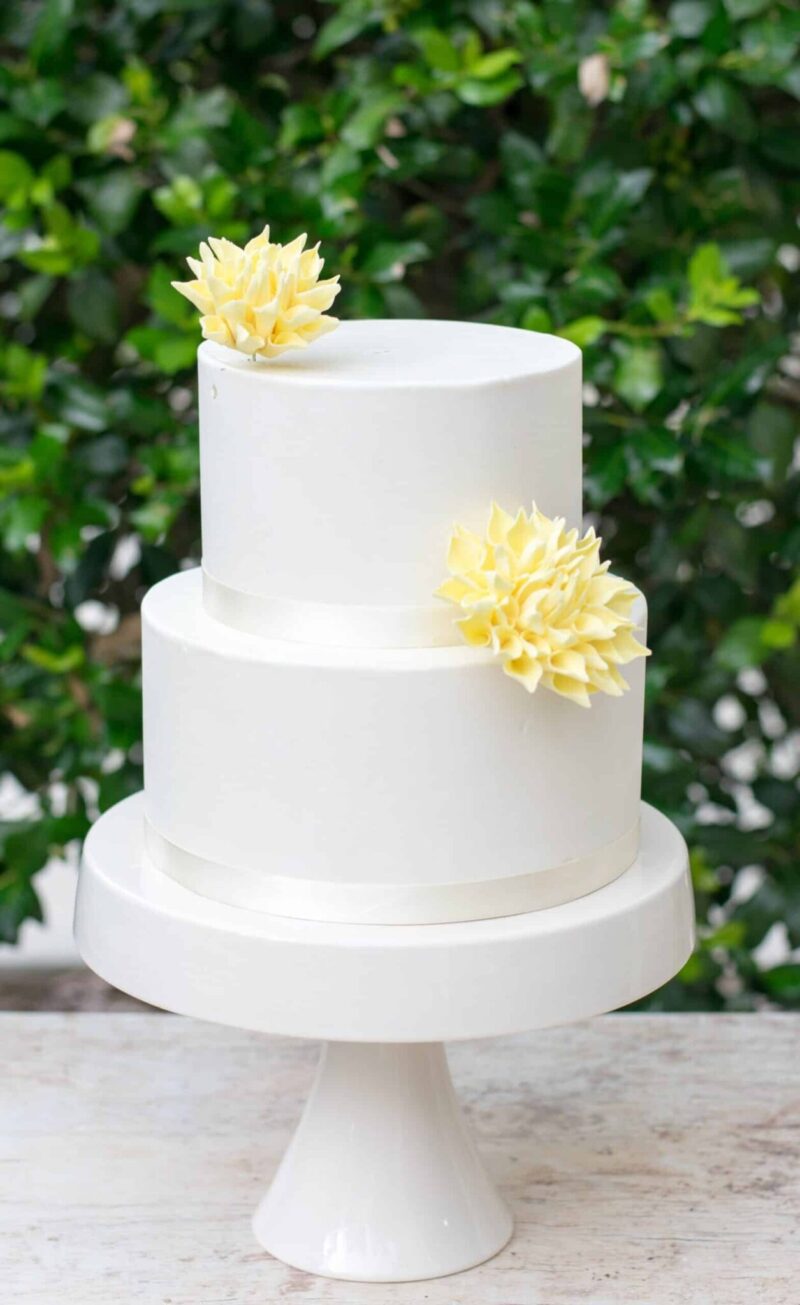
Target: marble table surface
[[648, 1159]]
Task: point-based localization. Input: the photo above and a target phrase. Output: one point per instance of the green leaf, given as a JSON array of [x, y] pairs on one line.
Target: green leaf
[[12, 127], [300, 124], [537, 318], [739, 9], [84, 406], [153, 519], [693, 727], [253, 23], [638, 377], [655, 450], [778, 635], [481, 94], [93, 306], [199, 111], [164, 301], [99, 96], [105, 456], [626, 192], [51, 30], [584, 331], [342, 28], [706, 268], [494, 64], [113, 198], [787, 607], [18, 903], [725, 108], [67, 246], [20, 518], [639, 47], [570, 127], [169, 351], [606, 474], [731, 934], [181, 201], [661, 305], [523, 162], [783, 983], [91, 570], [688, 18], [742, 645], [16, 177], [56, 663], [365, 127], [716, 296], [439, 51], [52, 27], [24, 373], [40, 101], [16, 475], [751, 640], [772, 432], [388, 260]]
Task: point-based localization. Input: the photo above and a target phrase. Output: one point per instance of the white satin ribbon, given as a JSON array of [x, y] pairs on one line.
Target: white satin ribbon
[[335, 625], [363, 903]]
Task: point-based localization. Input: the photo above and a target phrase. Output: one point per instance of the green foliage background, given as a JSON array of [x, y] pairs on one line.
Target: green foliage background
[[626, 174]]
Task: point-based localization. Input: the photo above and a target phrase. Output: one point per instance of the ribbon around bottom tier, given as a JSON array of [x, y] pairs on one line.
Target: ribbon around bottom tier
[[375, 903]]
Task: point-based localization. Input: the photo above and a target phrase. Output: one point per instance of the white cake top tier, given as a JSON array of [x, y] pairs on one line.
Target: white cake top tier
[[331, 478]]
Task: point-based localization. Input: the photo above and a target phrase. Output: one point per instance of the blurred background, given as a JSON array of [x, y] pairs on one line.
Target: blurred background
[[624, 174]]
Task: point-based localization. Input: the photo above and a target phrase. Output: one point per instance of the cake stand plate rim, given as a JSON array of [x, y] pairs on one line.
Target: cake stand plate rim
[[166, 945]]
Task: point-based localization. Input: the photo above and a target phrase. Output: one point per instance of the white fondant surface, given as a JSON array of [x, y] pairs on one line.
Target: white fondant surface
[[334, 476], [374, 766], [395, 353]]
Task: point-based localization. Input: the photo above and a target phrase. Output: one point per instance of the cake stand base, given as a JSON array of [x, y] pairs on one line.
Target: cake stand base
[[382, 1181]]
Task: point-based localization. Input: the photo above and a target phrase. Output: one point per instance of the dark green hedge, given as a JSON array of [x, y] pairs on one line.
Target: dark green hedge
[[626, 174]]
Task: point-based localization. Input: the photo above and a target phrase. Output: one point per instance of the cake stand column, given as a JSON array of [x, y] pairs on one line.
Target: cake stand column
[[382, 1181]]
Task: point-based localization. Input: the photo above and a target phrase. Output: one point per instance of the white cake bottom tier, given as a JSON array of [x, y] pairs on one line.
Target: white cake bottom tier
[[375, 785]]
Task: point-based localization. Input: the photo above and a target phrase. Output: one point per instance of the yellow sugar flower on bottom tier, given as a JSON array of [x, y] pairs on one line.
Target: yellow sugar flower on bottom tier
[[538, 595]]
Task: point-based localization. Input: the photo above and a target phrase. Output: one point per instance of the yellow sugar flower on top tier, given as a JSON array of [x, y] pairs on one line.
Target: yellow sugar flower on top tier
[[538, 595], [263, 299]]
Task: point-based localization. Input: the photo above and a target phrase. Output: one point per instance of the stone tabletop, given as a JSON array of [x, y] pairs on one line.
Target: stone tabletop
[[648, 1159]]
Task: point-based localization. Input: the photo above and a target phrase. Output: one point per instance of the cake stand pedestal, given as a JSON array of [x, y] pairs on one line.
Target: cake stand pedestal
[[382, 1181]]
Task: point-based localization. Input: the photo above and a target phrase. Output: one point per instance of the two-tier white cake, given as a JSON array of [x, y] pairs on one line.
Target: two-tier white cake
[[320, 742]]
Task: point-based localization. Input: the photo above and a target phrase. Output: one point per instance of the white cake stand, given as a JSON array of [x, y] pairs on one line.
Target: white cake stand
[[381, 1181]]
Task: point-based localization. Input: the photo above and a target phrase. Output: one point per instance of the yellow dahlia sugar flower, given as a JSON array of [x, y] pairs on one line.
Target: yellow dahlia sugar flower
[[262, 299], [539, 597]]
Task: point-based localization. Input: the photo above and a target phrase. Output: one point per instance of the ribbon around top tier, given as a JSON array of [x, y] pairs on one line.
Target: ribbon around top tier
[[375, 903], [333, 625]]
